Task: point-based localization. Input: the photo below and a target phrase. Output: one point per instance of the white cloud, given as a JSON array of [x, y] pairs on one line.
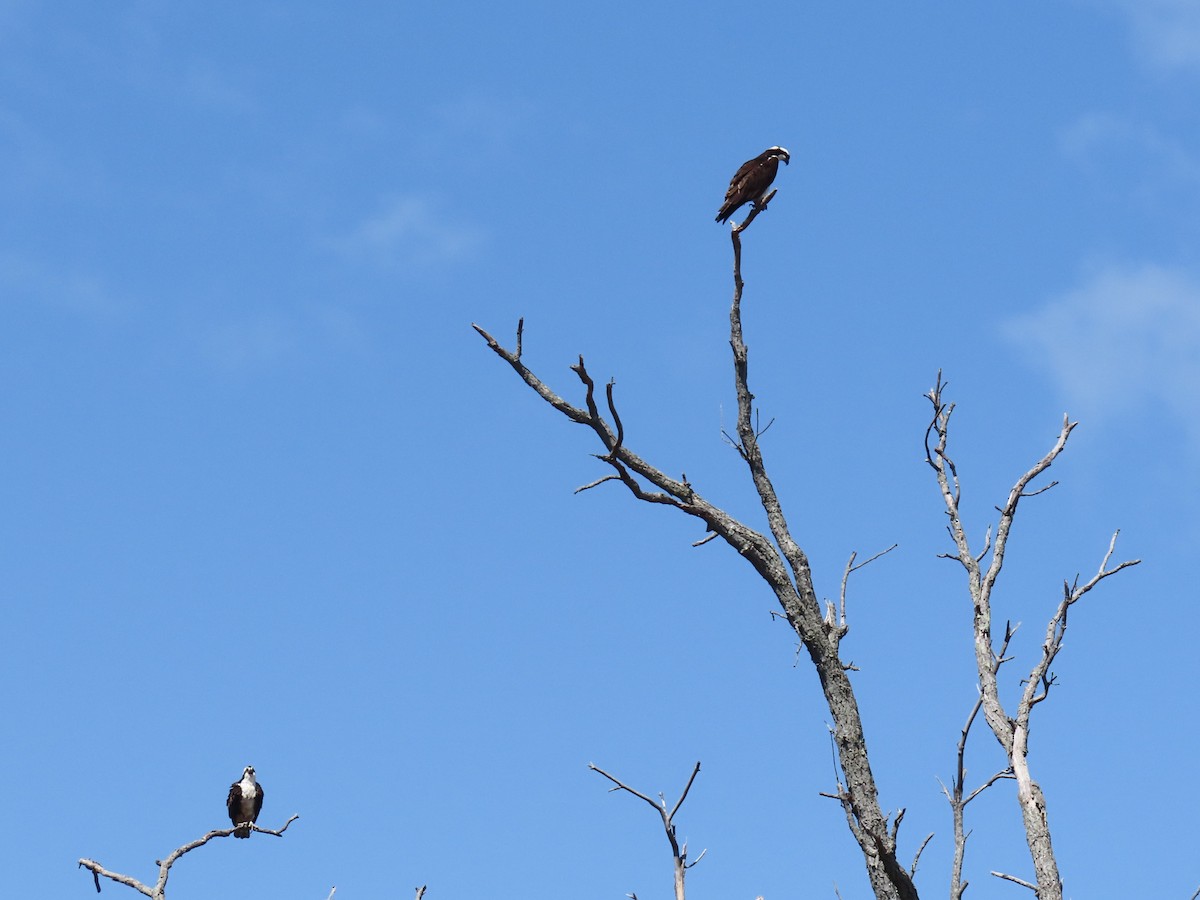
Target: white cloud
[[1166, 32], [408, 232], [1125, 340]]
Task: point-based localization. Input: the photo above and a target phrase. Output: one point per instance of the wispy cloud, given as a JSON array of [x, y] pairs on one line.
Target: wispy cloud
[[251, 341], [13, 14], [1100, 141], [28, 280], [474, 128], [482, 122], [1126, 339], [31, 161], [407, 232], [1166, 32], [212, 87]]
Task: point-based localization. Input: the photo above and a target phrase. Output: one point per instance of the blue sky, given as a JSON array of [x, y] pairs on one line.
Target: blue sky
[[269, 499]]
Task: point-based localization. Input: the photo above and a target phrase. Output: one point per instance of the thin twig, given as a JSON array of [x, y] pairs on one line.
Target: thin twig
[[1015, 880], [851, 567], [598, 481], [687, 787], [920, 850]]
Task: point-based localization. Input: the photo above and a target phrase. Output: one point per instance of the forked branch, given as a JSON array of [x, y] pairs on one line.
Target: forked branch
[[1011, 731], [958, 798], [843, 626], [678, 854]]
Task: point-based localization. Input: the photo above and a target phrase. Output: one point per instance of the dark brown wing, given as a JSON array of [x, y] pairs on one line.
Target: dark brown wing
[[258, 799], [233, 802], [736, 195]]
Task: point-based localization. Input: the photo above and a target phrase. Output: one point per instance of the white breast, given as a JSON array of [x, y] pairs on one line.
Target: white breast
[[247, 800]]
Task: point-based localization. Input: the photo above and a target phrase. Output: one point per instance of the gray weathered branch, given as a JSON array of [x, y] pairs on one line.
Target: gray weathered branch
[[1011, 731], [842, 626], [798, 597], [164, 866], [1021, 881], [678, 854], [958, 802], [781, 563]]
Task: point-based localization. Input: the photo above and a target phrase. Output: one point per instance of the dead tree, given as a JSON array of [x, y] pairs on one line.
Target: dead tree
[[1011, 731], [781, 562], [159, 890]]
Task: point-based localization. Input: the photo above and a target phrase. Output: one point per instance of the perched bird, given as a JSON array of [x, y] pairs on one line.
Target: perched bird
[[751, 181], [244, 802]]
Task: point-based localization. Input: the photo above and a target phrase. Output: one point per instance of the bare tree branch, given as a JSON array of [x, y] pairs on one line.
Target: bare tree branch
[[687, 787], [608, 391], [1015, 880], [420, 892], [758, 206], [678, 855], [164, 866], [1055, 631], [917, 858], [98, 872], [843, 628], [597, 482]]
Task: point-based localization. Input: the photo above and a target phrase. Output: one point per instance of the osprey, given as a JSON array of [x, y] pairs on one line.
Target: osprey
[[751, 181], [244, 802]]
